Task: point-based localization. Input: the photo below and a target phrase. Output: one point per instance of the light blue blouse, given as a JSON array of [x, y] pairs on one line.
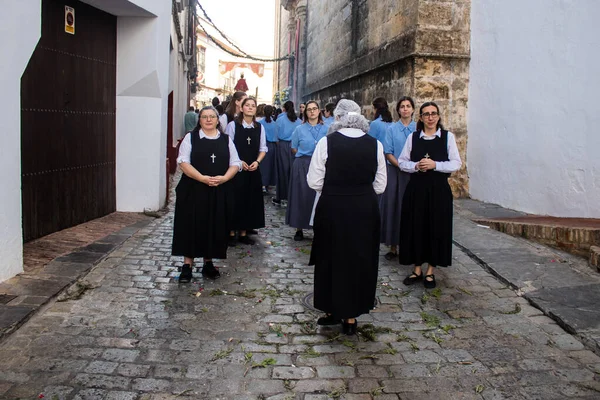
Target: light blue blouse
[[284, 127], [269, 129], [379, 129], [395, 137], [328, 121], [305, 138]]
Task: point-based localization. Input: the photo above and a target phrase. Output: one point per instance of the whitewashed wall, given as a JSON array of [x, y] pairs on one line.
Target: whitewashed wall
[[533, 106], [17, 45], [142, 95]]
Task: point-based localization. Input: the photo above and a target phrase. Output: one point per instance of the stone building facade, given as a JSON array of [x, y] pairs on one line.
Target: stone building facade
[[363, 49]]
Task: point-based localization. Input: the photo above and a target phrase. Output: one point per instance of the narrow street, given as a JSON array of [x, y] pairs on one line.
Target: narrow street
[[139, 334]]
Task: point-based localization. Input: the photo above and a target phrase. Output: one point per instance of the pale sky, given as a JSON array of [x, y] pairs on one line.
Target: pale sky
[[248, 23]]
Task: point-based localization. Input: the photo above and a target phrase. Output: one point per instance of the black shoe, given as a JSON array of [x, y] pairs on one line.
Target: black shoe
[[264, 190], [251, 232], [299, 236], [390, 256], [232, 241], [186, 274], [210, 271], [246, 240], [276, 202], [412, 279], [328, 320], [429, 284], [349, 329]]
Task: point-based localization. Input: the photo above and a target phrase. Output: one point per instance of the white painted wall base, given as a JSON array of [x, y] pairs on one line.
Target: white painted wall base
[[16, 47], [533, 108]]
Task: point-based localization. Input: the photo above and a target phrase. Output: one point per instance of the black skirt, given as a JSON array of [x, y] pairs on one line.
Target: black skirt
[[202, 219], [301, 197], [345, 253], [249, 210], [426, 222], [390, 204]]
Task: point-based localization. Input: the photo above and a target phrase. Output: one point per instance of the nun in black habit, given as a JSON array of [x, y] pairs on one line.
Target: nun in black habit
[[348, 169], [204, 202]]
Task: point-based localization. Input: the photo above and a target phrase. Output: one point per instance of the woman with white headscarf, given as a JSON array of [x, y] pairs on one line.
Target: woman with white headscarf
[[348, 169]]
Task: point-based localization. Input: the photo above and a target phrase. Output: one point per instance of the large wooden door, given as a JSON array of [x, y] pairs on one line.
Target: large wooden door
[[68, 97]]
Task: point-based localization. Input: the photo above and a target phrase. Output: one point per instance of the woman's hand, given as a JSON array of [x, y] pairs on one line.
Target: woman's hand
[[426, 164], [253, 166], [216, 180], [245, 166]]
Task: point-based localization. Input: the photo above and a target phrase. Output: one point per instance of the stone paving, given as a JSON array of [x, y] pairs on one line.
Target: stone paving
[[139, 334]]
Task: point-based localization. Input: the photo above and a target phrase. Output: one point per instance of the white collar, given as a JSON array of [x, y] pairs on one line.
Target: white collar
[[351, 132], [438, 133], [247, 125], [203, 135]]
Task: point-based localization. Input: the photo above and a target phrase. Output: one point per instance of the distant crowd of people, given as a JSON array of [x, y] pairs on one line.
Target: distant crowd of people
[[356, 184]]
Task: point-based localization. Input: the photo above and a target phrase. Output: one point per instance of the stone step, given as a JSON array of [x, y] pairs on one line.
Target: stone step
[[576, 236]]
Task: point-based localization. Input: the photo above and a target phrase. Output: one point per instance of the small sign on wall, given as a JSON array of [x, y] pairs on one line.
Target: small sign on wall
[[70, 20]]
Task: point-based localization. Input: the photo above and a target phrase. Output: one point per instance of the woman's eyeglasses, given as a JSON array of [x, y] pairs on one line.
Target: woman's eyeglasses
[[430, 115], [208, 117]]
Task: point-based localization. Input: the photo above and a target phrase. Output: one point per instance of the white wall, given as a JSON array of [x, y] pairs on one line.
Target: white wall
[[533, 108], [17, 45], [141, 121]]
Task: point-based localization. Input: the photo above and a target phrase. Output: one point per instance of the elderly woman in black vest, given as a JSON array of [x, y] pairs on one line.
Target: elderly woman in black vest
[[348, 169], [204, 203]]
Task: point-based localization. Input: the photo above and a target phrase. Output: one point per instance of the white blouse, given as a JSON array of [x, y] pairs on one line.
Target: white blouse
[[316, 171], [230, 131], [185, 150], [453, 164]]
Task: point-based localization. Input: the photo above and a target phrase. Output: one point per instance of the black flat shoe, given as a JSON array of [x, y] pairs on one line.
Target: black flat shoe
[[232, 241], [412, 279], [276, 202], [246, 240], [186, 273], [429, 284], [210, 271], [299, 236], [349, 329], [390, 256], [251, 232], [328, 320]]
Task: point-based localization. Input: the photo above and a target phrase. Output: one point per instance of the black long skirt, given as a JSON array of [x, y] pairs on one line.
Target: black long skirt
[[345, 253], [267, 166], [284, 161], [301, 197], [390, 205], [426, 225], [202, 219], [249, 210]]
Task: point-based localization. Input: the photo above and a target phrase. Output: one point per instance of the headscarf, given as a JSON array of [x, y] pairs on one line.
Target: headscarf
[[347, 115]]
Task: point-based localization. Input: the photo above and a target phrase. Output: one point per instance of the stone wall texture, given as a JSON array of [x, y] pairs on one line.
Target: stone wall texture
[[363, 49]]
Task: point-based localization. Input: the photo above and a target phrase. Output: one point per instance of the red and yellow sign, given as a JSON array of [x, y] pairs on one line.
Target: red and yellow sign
[[70, 20]]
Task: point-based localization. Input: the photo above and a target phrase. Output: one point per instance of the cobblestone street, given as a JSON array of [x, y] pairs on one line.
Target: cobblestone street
[[139, 334]]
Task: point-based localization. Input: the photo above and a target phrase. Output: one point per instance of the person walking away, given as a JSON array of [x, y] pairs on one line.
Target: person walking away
[[348, 168], [250, 141], [232, 110], [328, 114], [430, 155], [390, 202], [204, 196], [284, 127], [301, 197], [382, 120], [190, 120], [267, 166]]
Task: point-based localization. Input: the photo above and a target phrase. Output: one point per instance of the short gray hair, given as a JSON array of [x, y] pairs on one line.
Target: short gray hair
[[348, 115]]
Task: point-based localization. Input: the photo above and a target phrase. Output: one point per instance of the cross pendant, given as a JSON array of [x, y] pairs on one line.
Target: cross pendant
[[249, 140], [426, 155], [213, 158]]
